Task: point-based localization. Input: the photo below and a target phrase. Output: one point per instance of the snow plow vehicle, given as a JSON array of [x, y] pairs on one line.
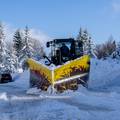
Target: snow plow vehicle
[[66, 67]]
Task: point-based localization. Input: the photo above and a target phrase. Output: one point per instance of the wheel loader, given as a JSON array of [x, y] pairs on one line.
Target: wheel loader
[[65, 68]]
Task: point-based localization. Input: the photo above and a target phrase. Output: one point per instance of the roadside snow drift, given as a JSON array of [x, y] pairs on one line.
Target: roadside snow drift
[[105, 74]]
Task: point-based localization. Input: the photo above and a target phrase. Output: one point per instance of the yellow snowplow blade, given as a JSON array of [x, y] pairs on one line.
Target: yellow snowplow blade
[[40, 68], [72, 68], [41, 74]]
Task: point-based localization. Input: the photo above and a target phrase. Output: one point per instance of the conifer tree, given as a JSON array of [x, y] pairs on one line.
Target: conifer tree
[[28, 47], [2, 51], [85, 38], [2, 44], [118, 50], [86, 41], [17, 43], [6, 60], [80, 40], [18, 47]]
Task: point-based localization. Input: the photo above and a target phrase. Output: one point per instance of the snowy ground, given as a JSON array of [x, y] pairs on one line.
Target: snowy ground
[[101, 101]]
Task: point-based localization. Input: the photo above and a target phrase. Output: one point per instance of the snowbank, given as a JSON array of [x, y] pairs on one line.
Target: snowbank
[[104, 74]]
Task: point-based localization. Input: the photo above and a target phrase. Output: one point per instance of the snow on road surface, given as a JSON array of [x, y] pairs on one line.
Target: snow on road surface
[[100, 102]]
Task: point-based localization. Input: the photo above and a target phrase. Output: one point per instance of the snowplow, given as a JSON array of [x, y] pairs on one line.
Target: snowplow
[[65, 68]]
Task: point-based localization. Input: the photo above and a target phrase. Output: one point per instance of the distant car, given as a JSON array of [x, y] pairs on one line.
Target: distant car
[[6, 77]]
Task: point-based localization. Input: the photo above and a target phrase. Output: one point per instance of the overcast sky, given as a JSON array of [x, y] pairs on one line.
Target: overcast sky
[[63, 18]]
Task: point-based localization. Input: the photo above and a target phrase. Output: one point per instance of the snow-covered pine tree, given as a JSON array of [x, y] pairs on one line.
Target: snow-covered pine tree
[[2, 48], [18, 45], [9, 62], [2, 43], [80, 40], [90, 47], [6, 64], [28, 47], [86, 40], [10, 59], [27, 50], [118, 50], [79, 37]]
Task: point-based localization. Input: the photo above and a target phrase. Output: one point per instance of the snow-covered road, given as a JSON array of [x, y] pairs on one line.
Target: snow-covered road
[[78, 106], [84, 104]]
